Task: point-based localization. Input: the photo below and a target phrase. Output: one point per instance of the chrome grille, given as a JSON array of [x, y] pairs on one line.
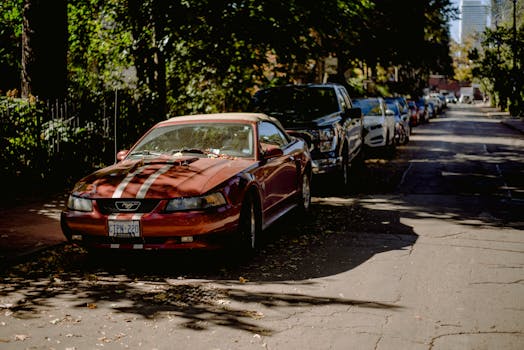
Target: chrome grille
[[126, 205]]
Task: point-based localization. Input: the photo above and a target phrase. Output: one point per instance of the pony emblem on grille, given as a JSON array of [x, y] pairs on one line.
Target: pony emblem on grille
[[127, 205]]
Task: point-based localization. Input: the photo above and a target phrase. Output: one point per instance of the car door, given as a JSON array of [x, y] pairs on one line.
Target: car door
[[278, 175], [353, 127]]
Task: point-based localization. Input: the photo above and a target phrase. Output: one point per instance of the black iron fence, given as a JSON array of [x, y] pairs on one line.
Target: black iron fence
[[50, 144]]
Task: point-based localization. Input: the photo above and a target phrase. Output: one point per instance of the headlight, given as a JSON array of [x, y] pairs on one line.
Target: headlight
[[196, 203], [79, 204], [327, 140]]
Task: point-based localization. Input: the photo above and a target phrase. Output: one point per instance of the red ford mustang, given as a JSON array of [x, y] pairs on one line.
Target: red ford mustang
[[202, 181]]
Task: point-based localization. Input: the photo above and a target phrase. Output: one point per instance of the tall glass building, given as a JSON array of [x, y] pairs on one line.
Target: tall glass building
[[474, 18]]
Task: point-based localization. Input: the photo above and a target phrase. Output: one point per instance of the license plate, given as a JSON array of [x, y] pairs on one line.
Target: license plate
[[124, 228]]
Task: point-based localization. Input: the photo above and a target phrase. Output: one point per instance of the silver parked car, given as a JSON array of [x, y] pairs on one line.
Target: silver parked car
[[379, 123]]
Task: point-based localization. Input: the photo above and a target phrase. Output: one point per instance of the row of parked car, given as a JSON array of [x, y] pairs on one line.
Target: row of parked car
[[218, 180], [338, 128]]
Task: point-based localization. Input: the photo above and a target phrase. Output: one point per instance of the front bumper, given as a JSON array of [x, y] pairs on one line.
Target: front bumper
[[327, 163], [210, 229], [375, 138]]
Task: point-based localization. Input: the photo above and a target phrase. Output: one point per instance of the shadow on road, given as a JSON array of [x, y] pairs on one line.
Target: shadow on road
[[213, 288]]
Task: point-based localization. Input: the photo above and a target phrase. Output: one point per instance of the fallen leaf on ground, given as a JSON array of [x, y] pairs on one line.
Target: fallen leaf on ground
[[21, 337]]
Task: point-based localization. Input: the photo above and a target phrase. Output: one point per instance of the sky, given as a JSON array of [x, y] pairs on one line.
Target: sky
[[454, 25]]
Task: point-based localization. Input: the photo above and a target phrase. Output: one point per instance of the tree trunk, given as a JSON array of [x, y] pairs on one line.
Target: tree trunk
[[44, 49]]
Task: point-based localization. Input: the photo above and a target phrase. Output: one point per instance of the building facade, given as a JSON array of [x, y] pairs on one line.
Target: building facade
[[474, 19]]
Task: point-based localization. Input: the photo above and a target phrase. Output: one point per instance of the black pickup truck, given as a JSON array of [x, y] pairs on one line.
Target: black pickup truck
[[322, 114]]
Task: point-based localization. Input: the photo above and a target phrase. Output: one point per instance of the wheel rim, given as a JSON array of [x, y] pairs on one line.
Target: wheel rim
[[306, 192]]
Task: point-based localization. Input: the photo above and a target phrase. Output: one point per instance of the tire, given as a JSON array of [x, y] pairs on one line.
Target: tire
[[399, 137], [344, 173], [304, 201], [408, 135], [248, 228], [390, 145], [402, 136]]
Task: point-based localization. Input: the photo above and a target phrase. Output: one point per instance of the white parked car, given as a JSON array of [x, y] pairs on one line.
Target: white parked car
[[437, 101], [379, 123]]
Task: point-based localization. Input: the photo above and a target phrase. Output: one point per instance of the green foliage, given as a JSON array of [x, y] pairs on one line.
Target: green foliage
[[99, 46], [10, 43], [36, 150], [499, 67], [167, 58], [20, 137]]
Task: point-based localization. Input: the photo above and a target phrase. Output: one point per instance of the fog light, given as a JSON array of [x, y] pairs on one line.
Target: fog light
[[76, 237], [186, 239]]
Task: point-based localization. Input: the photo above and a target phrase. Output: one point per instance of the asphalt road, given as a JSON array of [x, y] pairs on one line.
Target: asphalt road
[[424, 252]]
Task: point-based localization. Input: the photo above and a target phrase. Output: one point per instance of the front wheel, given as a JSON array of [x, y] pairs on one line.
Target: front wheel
[[304, 201], [345, 171], [248, 227], [390, 145], [408, 134], [401, 138]]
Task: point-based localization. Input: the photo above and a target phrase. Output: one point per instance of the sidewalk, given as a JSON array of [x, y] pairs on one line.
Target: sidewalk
[[29, 227], [514, 123]]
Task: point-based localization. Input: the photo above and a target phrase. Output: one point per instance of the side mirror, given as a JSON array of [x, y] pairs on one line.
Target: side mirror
[[390, 112], [354, 113], [121, 155], [272, 152]]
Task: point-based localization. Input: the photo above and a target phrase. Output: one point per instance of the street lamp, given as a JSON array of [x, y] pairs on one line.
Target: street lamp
[[514, 34]]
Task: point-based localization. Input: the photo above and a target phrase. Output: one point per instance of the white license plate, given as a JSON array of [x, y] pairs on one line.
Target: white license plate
[[124, 228]]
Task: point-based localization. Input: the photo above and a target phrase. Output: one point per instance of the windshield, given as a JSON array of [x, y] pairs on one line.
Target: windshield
[[369, 107], [394, 108], [305, 103], [211, 139]]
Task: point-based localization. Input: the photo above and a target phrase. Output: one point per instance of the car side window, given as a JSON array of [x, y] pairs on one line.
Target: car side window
[[270, 135]]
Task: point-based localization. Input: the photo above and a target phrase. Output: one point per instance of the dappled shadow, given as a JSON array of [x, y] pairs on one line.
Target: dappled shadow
[[200, 305], [467, 170], [214, 288]]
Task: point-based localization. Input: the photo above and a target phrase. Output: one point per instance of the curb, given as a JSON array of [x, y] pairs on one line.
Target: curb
[[515, 124]]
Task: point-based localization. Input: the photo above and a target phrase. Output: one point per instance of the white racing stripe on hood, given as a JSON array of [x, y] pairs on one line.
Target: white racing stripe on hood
[[122, 186], [147, 184]]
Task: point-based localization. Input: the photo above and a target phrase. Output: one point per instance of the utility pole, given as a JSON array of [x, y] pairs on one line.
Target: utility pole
[[514, 91]]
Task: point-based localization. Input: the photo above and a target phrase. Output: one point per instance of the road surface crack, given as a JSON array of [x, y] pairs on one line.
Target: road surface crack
[[433, 340], [493, 282]]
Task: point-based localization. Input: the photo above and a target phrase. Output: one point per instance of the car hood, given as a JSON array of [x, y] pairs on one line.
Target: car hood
[[160, 177], [369, 120]]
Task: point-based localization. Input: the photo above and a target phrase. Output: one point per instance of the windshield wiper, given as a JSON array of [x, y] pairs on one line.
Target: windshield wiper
[[187, 150]]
